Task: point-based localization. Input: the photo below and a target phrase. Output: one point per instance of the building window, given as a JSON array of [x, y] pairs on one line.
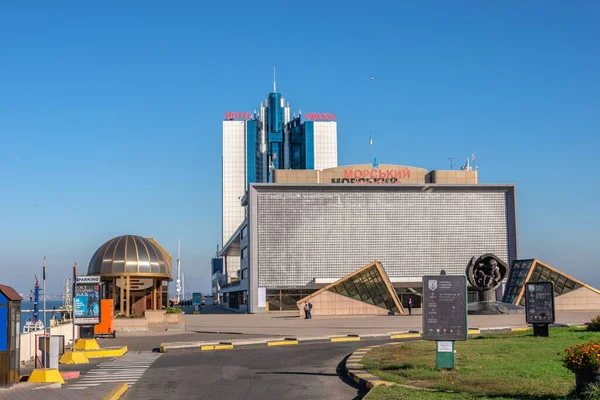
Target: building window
[[244, 253]]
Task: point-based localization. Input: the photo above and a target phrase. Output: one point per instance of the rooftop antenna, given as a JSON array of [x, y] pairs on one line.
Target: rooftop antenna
[[274, 81], [370, 147], [467, 166], [451, 163]]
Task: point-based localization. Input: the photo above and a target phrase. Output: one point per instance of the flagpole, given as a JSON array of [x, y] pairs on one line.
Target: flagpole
[[73, 303], [46, 333]]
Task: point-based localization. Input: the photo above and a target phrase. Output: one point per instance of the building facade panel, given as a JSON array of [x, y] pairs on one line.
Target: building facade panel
[[234, 175], [325, 145], [309, 232]]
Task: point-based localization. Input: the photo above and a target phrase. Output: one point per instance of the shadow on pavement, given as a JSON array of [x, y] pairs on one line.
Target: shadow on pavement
[[341, 373]]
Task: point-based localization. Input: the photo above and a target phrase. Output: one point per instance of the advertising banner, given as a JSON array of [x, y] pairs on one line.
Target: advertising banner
[[86, 302]]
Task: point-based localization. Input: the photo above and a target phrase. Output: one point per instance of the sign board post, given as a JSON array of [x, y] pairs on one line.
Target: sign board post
[[197, 299], [444, 354], [539, 307], [445, 314], [86, 304]]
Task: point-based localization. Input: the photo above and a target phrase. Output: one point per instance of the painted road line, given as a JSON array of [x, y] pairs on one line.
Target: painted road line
[[405, 335], [223, 346], [287, 342], [117, 392], [125, 370], [349, 338]]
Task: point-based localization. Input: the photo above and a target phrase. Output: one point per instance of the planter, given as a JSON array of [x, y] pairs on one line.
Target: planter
[[582, 380], [174, 318], [130, 324]]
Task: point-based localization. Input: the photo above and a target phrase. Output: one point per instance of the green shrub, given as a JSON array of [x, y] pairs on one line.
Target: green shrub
[[594, 325], [121, 316], [583, 358], [174, 310], [196, 312]]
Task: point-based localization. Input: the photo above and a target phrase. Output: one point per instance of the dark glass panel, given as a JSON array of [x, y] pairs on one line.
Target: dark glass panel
[[131, 264], [107, 258], [144, 260], [119, 257]]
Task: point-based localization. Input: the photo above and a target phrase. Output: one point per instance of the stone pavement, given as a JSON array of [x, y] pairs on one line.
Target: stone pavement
[[217, 326], [26, 391], [289, 324]]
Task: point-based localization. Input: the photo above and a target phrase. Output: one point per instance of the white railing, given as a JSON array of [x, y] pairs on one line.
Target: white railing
[[28, 340]]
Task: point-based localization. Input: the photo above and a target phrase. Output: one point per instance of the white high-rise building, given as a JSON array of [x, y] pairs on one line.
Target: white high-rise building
[[234, 175], [325, 142]]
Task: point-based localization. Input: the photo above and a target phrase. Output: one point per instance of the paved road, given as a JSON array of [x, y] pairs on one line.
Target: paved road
[[305, 371]]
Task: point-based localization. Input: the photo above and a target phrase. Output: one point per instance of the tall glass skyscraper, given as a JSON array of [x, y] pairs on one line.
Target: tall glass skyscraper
[[256, 144]]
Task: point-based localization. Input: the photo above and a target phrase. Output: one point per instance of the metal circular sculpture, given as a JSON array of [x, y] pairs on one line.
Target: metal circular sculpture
[[486, 272], [130, 255]]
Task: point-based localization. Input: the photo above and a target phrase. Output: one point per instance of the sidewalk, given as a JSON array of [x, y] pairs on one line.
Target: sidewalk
[[289, 324], [216, 327], [25, 391]]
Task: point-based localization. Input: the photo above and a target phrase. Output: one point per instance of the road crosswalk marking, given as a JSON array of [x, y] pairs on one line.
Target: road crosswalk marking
[[127, 369]]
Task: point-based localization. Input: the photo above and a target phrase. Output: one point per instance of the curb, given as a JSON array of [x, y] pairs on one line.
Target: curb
[[289, 341], [356, 371], [117, 392]]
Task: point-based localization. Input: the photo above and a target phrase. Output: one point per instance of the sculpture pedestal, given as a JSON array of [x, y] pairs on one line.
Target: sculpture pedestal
[[494, 308]]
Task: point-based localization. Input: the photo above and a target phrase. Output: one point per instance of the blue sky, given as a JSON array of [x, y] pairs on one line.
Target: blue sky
[[110, 113]]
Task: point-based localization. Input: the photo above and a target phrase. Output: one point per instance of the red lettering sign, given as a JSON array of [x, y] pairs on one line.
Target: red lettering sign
[[319, 117], [238, 115], [373, 176]]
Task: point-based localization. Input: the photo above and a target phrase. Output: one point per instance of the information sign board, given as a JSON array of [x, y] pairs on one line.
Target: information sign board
[[445, 307], [197, 299], [86, 301], [539, 303]]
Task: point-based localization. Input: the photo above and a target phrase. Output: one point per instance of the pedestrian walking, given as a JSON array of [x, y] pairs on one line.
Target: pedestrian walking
[[410, 306], [310, 310]]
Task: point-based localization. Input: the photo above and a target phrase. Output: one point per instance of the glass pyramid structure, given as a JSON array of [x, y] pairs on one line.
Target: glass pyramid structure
[[369, 284], [533, 270]]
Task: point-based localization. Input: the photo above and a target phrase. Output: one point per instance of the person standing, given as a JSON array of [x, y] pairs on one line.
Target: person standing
[[306, 310], [410, 306], [309, 310]]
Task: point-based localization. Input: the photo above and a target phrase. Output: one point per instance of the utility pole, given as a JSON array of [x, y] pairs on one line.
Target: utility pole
[[451, 163]]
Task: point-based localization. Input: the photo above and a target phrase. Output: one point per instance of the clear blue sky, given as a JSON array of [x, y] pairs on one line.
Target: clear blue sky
[[110, 113]]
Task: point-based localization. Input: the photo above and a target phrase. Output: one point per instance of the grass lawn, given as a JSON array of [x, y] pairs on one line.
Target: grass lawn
[[498, 366]]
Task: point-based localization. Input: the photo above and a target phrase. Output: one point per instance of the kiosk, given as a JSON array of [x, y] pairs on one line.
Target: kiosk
[[10, 336]]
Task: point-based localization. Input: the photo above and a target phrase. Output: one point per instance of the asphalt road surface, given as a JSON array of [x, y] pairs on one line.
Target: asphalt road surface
[[305, 371]]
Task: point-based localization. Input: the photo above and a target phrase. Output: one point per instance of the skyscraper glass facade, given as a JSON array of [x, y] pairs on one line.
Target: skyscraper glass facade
[[254, 145]]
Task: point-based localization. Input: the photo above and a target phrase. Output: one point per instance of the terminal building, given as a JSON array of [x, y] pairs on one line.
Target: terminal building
[[310, 228]]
